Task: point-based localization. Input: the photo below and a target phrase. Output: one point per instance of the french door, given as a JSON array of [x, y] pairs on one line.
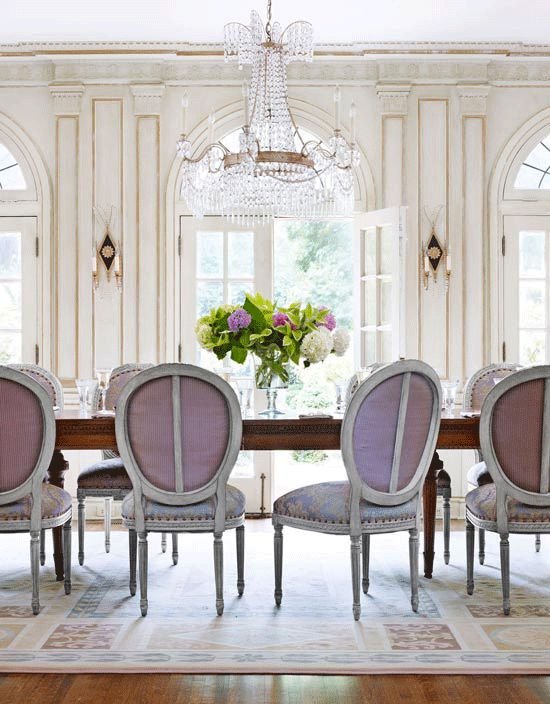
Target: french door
[[219, 263], [380, 291], [526, 289], [18, 290]]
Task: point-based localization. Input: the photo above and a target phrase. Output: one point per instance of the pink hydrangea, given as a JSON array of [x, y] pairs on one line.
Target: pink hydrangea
[[281, 319], [330, 321], [239, 319]]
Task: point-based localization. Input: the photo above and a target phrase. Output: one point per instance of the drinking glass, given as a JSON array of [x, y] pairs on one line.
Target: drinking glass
[[340, 387], [449, 389], [103, 382], [245, 385], [85, 389]]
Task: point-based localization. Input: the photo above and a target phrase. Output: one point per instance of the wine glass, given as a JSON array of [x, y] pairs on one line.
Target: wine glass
[[103, 382]]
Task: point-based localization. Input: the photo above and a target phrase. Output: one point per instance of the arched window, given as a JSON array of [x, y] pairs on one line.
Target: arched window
[[525, 248], [11, 174], [534, 172]]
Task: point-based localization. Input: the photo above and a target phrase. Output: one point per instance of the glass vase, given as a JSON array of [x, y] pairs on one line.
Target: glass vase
[[270, 382]]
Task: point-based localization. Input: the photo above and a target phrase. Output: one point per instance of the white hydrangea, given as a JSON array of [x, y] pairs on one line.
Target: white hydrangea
[[340, 341], [317, 345], [203, 332]]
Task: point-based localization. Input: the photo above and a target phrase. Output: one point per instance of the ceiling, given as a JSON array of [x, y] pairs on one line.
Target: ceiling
[[525, 21]]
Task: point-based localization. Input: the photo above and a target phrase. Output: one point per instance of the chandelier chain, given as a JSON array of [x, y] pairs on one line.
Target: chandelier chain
[[268, 24]]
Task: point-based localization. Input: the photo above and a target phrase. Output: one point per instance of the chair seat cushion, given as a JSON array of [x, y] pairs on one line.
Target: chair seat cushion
[[108, 474], [478, 475], [329, 503], [55, 502], [481, 502], [202, 511]]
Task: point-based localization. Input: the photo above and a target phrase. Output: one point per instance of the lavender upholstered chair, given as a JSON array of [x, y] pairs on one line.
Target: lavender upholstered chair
[[388, 438], [27, 441], [53, 388], [179, 430], [108, 479], [515, 442], [476, 389]]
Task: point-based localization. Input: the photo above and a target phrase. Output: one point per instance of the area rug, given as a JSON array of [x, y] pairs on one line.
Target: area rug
[[98, 627]]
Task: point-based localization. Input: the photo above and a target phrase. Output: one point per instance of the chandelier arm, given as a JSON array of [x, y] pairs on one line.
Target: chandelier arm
[[200, 157]]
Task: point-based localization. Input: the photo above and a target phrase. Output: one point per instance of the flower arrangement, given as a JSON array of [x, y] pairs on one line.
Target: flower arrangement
[[276, 335]]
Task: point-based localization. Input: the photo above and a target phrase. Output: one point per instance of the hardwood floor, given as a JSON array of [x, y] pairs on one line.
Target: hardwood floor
[[267, 689]]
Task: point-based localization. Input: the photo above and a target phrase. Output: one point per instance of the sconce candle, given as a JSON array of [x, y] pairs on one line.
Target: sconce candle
[[184, 106], [337, 97], [352, 114]]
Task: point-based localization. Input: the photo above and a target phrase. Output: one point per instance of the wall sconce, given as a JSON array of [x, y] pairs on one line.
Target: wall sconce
[[435, 257], [108, 253]]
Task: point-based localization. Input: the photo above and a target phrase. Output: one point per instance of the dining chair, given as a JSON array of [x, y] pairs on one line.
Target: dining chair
[[108, 479], [514, 432], [388, 437], [54, 389], [27, 442], [179, 429], [475, 391]]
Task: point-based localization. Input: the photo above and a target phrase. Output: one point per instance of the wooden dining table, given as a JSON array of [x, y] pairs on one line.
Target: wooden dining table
[[78, 431]]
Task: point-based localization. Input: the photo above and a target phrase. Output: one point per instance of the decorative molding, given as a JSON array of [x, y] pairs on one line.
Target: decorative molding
[[393, 99], [147, 99], [359, 48], [208, 67], [473, 99], [67, 100]]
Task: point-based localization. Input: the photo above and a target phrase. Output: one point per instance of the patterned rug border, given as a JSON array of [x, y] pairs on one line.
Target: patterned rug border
[[376, 663]]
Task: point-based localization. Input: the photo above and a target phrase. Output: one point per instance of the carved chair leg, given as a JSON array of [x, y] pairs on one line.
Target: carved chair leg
[[81, 528], [42, 547], [35, 561], [481, 535], [470, 538], [366, 557], [67, 538], [355, 549], [446, 526], [107, 522], [163, 542], [537, 542], [143, 557], [413, 564], [175, 554], [278, 555], [218, 571], [505, 573], [239, 535], [132, 547]]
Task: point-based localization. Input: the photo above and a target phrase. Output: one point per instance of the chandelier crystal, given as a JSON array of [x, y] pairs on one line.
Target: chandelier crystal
[[274, 173]]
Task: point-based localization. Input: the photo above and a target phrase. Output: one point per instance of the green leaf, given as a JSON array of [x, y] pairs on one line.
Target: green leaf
[[238, 354], [258, 318]]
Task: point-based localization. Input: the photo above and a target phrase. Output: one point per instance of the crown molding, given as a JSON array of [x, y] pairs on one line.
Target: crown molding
[[358, 48], [67, 100], [147, 99]]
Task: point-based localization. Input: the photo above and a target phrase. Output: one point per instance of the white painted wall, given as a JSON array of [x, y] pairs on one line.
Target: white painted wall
[[431, 130]]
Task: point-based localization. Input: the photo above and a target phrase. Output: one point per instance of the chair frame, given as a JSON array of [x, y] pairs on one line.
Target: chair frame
[[504, 486], [139, 527], [360, 538], [33, 486], [474, 379], [58, 400]]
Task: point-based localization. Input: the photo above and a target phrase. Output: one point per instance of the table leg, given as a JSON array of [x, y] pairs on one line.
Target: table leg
[[56, 476], [429, 497]]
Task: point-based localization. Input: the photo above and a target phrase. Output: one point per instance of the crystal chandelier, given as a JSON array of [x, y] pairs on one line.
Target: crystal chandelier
[[274, 173]]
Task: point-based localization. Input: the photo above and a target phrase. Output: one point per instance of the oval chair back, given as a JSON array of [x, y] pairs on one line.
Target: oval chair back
[[515, 439], [27, 439], [389, 433], [46, 379], [482, 381], [179, 432]]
